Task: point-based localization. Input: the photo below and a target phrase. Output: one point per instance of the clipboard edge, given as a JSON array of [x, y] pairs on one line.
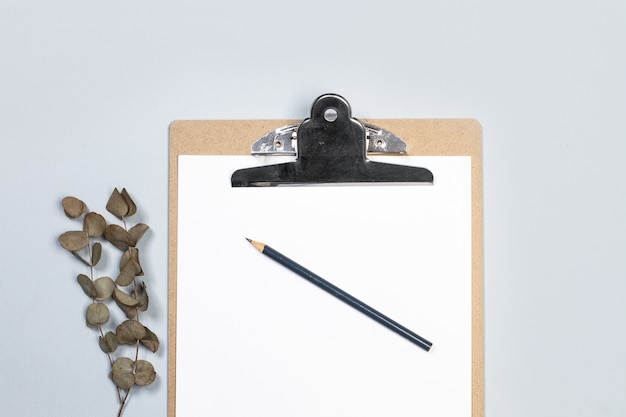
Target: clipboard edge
[[424, 137]]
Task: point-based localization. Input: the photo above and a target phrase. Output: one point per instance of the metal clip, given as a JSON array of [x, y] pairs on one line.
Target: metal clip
[[331, 149], [283, 141]]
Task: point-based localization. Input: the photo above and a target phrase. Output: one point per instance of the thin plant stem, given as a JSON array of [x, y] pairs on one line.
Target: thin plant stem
[[123, 403], [93, 300]]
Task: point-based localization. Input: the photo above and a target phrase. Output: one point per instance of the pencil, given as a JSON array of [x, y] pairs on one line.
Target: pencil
[[341, 294]]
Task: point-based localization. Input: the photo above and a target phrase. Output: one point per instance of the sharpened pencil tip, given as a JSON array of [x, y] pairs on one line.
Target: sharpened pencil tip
[[260, 246]]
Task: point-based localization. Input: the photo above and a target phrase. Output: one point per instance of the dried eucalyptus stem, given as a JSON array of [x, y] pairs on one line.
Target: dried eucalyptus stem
[[86, 246]]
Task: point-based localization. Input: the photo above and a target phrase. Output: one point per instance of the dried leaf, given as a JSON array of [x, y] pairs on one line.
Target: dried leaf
[[117, 205], [118, 237], [137, 231], [103, 345], [94, 224], [132, 208], [105, 287], [96, 253], [144, 373], [131, 312], [97, 313], [87, 285], [130, 331], [108, 342], [73, 207], [122, 373], [142, 296], [128, 273], [131, 254], [124, 299], [151, 341], [126, 276], [74, 240]]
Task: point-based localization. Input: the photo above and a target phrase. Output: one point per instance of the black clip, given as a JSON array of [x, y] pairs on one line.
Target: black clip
[[331, 149]]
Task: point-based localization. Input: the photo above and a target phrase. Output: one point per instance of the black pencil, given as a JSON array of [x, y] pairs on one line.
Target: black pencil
[[342, 295]]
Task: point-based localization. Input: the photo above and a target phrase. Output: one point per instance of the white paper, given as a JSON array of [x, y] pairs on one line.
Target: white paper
[[255, 339]]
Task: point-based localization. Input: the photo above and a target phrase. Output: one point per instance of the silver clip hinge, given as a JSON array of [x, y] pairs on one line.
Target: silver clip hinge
[[282, 141]]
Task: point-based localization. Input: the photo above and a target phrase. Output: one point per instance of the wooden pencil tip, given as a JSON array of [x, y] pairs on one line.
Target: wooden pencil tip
[[260, 246]]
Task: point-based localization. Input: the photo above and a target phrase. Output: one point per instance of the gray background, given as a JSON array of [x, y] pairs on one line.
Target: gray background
[[88, 89]]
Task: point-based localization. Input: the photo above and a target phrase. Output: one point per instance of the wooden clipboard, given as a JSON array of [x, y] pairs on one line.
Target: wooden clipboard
[[425, 137]]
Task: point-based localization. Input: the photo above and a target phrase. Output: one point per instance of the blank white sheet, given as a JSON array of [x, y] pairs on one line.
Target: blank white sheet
[[254, 339]]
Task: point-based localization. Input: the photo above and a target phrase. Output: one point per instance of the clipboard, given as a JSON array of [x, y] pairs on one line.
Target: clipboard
[[423, 137]]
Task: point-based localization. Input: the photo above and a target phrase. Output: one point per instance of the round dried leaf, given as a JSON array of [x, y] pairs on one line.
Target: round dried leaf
[[132, 208], [74, 240], [103, 345], [127, 274], [151, 341], [105, 287], [142, 296], [125, 277], [122, 373], [73, 207], [132, 254], [87, 285], [137, 231], [144, 372], [118, 237], [97, 313], [94, 224], [131, 312], [124, 299], [117, 205], [108, 343], [130, 331], [96, 253]]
